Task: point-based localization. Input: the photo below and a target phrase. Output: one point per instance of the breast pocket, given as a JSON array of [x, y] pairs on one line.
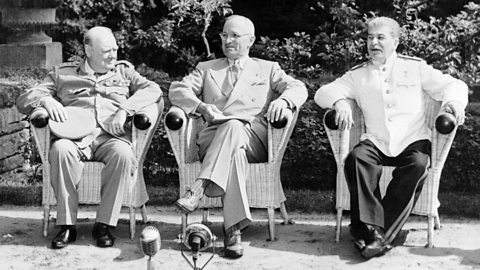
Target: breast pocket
[[407, 83], [118, 90], [78, 92]]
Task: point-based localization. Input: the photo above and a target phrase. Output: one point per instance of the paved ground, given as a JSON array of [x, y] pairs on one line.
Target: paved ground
[[306, 245]]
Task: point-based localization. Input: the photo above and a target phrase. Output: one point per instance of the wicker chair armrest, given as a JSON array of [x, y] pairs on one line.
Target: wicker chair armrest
[[41, 132], [176, 126], [342, 141], [339, 142], [141, 137], [278, 138]]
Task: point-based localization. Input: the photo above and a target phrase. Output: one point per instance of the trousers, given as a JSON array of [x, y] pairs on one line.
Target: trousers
[[67, 162], [225, 151], [363, 169]]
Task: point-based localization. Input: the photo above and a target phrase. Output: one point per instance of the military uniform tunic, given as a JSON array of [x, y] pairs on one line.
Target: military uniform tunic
[[75, 84]]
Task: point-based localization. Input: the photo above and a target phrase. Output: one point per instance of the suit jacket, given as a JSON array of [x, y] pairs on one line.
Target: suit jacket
[[391, 98], [71, 85], [258, 84]]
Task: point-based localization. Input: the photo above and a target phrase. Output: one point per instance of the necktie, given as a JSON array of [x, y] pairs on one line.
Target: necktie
[[235, 71], [232, 77]]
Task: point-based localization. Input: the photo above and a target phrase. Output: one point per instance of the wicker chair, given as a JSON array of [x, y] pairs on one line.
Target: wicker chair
[[90, 184], [264, 188], [342, 143]]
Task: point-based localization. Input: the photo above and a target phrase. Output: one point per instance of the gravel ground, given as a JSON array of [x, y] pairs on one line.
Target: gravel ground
[[308, 244]]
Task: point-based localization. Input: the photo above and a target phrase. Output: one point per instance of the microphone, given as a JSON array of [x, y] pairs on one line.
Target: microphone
[[150, 243], [197, 237]]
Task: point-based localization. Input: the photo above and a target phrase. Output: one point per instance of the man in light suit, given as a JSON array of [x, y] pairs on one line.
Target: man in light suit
[[236, 96], [111, 91], [389, 90]]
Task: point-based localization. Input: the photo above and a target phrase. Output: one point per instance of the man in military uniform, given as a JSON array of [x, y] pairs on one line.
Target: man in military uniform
[[389, 90], [111, 91]]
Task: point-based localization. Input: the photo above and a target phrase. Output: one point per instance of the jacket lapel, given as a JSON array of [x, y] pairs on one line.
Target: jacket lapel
[[219, 73], [249, 74]]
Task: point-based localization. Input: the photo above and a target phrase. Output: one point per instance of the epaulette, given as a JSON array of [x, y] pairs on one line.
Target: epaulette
[[409, 57], [360, 65], [68, 64], [125, 63]]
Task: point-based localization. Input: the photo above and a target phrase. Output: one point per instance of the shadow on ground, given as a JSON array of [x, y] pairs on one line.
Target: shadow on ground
[[305, 245]]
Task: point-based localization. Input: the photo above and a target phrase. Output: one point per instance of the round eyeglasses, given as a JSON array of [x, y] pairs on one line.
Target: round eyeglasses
[[233, 36]]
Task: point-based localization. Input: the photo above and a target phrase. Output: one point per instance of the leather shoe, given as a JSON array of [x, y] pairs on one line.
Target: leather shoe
[[375, 249], [233, 243], [401, 238], [101, 234], [67, 234], [375, 242], [189, 202]]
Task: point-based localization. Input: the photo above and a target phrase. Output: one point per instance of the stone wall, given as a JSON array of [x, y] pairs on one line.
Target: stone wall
[[14, 139]]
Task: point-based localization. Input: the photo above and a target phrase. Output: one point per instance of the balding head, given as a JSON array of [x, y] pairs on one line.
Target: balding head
[[96, 32], [237, 37], [100, 48], [245, 23]]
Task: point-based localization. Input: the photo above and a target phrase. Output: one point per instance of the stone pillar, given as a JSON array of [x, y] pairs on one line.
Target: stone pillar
[[29, 46], [15, 149]]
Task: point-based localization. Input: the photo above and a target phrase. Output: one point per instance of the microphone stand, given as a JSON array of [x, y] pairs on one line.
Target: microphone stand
[[195, 257], [150, 263]]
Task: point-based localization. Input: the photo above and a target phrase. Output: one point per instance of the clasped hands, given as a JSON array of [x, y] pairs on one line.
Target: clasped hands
[[56, 112], [344, 118], [277, 110]]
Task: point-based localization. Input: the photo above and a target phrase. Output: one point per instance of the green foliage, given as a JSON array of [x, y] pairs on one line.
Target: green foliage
[[293, 54], [313, 40], [451, 44], [157, 33], [23, 78], [461, 171]]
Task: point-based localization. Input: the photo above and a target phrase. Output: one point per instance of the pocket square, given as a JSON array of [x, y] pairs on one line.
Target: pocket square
[[262, 82]]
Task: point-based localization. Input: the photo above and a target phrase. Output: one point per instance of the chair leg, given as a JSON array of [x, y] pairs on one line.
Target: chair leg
[[438, 225], [338, 228], [430, 231], [184, 224], [271, 223], [205, 214], [132, 222], [46, 219], [143, 209], [286, 219]]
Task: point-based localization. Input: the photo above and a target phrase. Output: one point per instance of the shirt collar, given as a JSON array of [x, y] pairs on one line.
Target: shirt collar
[[88, 69], [241, 61], [388, 62]]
